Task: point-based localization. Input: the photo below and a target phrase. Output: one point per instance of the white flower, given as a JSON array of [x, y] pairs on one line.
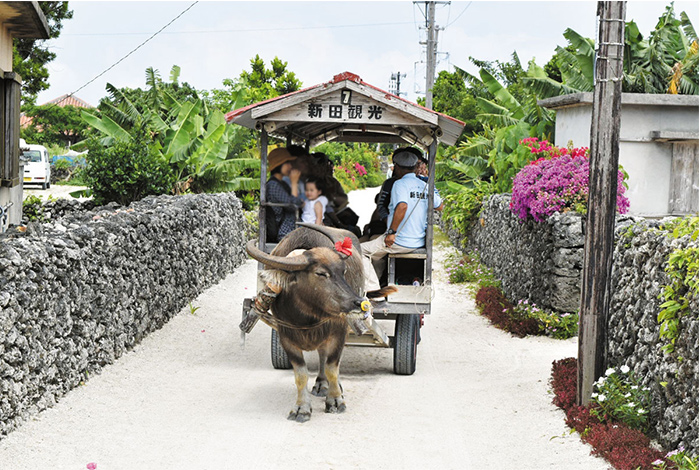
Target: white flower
[[628, 395], [634, 387], [631, 405], [624, 369], [594, 395], [609, 372], [641, 411], [601, 397]]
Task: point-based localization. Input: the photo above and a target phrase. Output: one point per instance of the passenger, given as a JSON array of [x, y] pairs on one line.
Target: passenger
[[338, 213], [422, 168], [301, 163], [315, 204], [378, 221], [408, 218], [279, 221]]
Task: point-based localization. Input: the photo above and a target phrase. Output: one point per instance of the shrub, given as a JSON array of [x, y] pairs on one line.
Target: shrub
[[556, 182], [620, 397], [682, 270], [564, 373], [554, 324], [32, 209], [677, 459], [126, 171], [468, 268], [463, 206], [625, 448], [356, 166], [496, 307]]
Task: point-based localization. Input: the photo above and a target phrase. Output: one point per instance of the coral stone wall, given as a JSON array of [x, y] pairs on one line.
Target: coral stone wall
[[542, 262], [79, 291], [537, 261], [633, 332]]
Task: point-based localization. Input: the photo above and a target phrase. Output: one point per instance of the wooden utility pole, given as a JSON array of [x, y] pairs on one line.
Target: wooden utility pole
[[602, 197]]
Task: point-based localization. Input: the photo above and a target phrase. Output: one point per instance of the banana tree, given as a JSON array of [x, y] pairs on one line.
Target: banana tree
[[665, 62], [190, 136]]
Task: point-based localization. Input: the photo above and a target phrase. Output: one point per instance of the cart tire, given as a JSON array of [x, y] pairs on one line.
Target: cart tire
[[280, 360], [406, 344]]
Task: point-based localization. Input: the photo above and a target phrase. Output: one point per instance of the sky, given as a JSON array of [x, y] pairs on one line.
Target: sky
[[215, 40]]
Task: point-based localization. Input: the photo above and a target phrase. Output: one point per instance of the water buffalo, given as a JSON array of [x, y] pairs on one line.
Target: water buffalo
[[318, 287]]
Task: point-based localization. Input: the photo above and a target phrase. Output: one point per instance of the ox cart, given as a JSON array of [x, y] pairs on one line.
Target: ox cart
[[346, 109]]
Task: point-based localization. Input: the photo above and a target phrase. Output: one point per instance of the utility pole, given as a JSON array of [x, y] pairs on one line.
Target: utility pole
[[395, 86], [602, 197], [430, 50]]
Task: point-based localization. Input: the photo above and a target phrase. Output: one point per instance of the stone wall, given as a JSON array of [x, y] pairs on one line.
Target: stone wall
[[79, 291], [542, 262], [633, 332]]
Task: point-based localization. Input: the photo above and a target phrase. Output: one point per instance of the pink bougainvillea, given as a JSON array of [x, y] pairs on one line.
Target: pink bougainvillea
[[556, 182]]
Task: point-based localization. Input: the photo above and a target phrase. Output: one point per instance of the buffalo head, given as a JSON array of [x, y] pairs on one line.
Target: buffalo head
[[315, 279]]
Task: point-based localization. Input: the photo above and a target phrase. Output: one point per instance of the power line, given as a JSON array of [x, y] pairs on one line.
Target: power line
[[465, 9], [208, 31], [135, 49]]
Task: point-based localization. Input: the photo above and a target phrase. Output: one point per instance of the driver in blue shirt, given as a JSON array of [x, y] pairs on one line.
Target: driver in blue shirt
[[407, 221]]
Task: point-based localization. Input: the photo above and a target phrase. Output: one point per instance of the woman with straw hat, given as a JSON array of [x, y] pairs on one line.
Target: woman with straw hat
[[280, 220]]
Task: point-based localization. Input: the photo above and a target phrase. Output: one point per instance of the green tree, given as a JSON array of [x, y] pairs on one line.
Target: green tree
[[452, 97], [264, 83], [30, 56], [54, 125]]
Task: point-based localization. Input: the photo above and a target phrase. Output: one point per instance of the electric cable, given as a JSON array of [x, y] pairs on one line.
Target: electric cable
[[465, 9], [136, 48], [256, 30]]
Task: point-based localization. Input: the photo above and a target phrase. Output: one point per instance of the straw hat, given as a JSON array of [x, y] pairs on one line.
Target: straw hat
[[278, 157]]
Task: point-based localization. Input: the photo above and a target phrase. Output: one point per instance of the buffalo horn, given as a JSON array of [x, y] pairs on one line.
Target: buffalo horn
[[323, 229], [293, 263]]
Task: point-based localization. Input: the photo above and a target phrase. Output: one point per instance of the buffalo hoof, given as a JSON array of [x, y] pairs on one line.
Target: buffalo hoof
[[320, 388], [335, 405], [300, 414]]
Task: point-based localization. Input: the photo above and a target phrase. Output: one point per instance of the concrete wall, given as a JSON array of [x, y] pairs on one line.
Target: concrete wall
[[80, 291], [645, 157]]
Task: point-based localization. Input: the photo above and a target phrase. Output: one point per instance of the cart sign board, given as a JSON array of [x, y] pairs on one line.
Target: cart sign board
[[343, 106], [349, 110]]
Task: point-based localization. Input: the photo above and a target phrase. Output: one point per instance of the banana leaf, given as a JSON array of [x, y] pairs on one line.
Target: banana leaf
[[107, 126], [502, 95]]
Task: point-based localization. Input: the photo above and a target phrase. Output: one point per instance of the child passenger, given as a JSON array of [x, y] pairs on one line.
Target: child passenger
[[315, 204]]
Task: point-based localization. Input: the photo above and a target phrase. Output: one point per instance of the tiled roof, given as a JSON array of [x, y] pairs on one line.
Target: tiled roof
[[70, 100], [65, 100]]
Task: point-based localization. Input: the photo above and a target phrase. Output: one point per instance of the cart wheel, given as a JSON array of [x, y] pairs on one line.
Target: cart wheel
[[406, 344], [280, 360]]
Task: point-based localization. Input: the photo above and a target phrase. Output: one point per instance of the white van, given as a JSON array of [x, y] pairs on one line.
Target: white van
[[37, 169]]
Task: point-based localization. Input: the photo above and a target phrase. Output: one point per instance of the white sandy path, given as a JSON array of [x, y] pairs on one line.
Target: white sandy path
[[188, 398]]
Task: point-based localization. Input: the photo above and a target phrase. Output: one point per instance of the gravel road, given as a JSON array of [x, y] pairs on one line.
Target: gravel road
[[55, 191], [188, 397]]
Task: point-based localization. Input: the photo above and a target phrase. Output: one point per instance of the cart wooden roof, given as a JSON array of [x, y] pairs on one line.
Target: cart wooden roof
[[346, 109]]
